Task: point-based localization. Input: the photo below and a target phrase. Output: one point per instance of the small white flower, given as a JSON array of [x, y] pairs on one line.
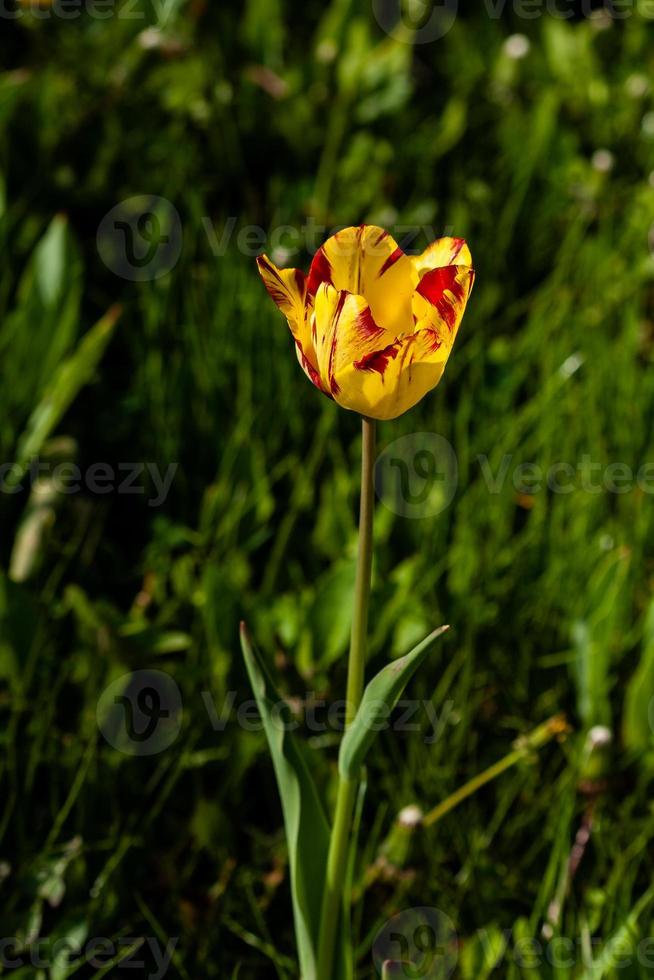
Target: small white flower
[[637, 86], [603, 161], [326, 51], [517, 46], [599, 737], [151, 37], [281, 255], [410, 817], [571, 365], [601, 19]]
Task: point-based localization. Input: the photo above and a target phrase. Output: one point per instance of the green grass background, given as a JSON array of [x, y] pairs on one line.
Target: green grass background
[[549, 598]]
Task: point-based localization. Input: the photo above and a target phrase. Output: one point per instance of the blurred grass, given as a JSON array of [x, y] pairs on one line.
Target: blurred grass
[[272, 116]]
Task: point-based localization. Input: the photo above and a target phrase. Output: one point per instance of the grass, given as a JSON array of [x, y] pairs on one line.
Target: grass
[[549, 595]]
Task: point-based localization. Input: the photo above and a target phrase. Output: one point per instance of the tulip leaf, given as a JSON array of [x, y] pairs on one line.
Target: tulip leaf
[[305, 823], [379, 698]]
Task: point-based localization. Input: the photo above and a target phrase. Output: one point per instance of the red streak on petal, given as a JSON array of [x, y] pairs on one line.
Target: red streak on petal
[[436, 342], [381, 238], [378, 360], [458, 245], [433, 287], [320, 271], [301, 282], [390, 261], [366, 324], [434, 283], [310, 370], [276, 290], [333, 384]]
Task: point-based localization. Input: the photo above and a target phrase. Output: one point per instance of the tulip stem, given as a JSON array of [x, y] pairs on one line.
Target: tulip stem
[[335, 899]]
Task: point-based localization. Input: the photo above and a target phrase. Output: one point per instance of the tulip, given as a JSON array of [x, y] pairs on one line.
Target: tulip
[[374, 327]]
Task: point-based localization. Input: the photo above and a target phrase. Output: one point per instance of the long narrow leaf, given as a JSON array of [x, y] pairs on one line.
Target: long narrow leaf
[[624, 939], [307, 830], [379, 698], [68, 380]]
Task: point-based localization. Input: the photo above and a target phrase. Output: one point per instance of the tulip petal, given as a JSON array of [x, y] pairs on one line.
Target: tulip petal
[[390, 381], [373, 327], [308, 368], [366, 368], [288, 288], [441, 297], [367, 261], [442, 252], [344, 331]]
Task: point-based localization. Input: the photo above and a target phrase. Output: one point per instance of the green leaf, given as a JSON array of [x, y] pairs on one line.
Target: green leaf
[[379, 698], [636, 726], [623, 942], [591, 673], [331, 614], [482, 953], [50, 261], [307, 830], [71, 376], [68, 942]]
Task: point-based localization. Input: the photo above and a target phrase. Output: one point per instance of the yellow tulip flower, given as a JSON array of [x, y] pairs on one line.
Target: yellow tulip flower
[[373, 327]]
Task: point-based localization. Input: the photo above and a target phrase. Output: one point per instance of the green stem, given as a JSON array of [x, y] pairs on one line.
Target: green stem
[[527, 743], [334, 899]]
